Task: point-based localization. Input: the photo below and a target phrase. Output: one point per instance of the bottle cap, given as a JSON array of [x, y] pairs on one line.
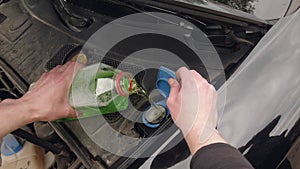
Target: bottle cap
[[123, 84], [164, 74]]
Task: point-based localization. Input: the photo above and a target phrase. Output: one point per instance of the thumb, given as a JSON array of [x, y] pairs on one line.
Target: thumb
[[175, 87]]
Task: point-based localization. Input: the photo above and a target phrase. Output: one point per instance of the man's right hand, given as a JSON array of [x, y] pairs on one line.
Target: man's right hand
[[192, 102]]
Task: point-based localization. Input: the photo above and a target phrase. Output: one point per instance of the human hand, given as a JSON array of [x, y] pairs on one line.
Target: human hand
[[48, 99], [192, 103]]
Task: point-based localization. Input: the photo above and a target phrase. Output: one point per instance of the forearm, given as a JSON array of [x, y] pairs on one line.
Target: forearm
[[46, 101], [194, 143], [14, 114]]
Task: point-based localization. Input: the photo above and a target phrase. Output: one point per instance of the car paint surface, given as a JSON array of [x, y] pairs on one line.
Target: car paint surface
[[264, 87]]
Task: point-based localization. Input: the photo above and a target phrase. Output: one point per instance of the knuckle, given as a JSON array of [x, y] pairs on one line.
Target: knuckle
[[213, 90], [170, 101], [205, 81], [68, 111], [59, 78], [44, 75], [72, 113], [181, 69], [194, 71], [211, 87], [189, 84], [52, 75], [56, 68], [192, 80], [215, 93]]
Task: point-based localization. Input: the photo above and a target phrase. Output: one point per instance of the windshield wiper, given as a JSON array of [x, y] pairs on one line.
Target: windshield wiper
[[73, 21]]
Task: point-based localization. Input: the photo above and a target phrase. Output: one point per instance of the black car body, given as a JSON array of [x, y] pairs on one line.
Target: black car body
[[38, 35]]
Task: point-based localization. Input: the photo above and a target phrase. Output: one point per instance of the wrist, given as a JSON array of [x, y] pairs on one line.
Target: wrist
[[28, 108], [18, 110], [194, 142]]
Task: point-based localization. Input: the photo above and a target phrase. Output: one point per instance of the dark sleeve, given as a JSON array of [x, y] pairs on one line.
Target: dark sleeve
[[219, 156]]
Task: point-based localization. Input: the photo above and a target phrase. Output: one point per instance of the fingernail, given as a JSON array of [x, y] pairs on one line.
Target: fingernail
[[171, 81]]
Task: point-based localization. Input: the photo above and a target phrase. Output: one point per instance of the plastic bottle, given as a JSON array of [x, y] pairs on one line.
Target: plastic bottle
[[101, 89]]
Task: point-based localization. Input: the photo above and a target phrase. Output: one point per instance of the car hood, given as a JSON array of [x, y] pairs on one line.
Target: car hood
[[265, 86], [263, 94]]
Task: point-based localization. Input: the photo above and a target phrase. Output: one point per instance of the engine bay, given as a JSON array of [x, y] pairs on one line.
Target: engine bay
[[38, 35]]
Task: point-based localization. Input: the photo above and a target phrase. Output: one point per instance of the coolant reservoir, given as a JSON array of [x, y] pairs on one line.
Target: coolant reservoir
[[155, 114], [14, 155]]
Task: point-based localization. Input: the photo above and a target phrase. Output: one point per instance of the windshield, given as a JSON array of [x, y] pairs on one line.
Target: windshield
[[205, 4], [259, 8], [245, 5], [278, 10], [245, 9]]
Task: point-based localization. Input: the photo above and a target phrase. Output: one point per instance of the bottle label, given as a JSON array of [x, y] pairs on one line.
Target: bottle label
[[104, 85]]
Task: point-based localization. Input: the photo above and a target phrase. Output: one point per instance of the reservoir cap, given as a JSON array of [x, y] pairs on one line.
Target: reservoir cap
[[164, 74], [10, 145]]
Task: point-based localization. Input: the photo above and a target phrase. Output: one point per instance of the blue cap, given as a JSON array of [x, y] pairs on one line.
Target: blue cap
[[164, 74], [10, 145]]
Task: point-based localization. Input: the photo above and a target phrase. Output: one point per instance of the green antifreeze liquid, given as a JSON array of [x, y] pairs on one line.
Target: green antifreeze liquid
[[101, 89]]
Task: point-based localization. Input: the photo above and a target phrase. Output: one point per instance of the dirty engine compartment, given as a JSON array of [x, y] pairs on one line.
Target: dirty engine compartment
[[35, 36]]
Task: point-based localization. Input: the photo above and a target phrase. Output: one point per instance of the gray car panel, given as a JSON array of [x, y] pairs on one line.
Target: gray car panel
[[265, 86]]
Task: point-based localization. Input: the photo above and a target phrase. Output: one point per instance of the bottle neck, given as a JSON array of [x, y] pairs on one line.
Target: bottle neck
[[125, 84]]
